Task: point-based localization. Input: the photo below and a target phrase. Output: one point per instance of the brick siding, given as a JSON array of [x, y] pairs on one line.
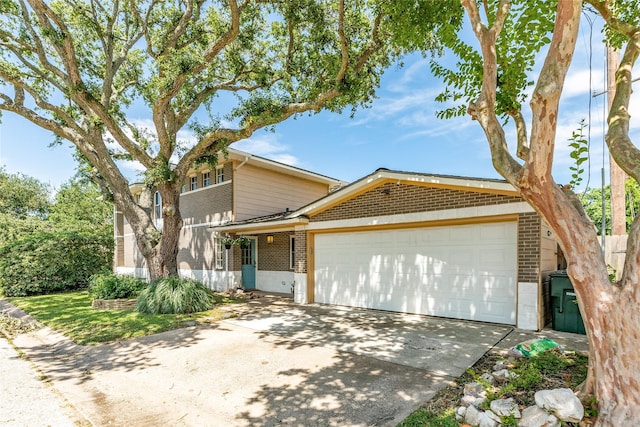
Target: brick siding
[[301, 252], [274, 256], [529, 247], [405, 198]]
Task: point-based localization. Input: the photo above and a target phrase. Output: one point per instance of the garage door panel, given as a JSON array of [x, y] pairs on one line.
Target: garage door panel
[[466, 272]]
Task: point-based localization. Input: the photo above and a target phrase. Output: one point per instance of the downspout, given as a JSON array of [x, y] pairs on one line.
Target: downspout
[[246, 159]]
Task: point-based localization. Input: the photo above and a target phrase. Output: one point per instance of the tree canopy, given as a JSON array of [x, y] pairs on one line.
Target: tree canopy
[[86, 69]]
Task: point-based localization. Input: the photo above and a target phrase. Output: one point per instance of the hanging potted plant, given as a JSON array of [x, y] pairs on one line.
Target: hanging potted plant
[[227, 242], [242, 241]]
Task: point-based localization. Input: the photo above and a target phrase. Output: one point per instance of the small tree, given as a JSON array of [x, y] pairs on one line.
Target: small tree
[[493, 84], [75, 68]]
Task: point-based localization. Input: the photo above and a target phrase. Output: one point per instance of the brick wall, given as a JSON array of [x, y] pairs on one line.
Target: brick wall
[[528, 247], [405, 198], [301, 252], [274, 256]]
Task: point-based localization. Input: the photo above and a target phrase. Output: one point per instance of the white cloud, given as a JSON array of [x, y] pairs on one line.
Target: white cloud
[[267, 145]]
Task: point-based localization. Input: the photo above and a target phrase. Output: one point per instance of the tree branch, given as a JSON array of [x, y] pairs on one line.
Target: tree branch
[[521, 130], [344, 47], [546, 95]]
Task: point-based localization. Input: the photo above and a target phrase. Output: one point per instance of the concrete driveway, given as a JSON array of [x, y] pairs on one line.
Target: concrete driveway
[[276, 364]]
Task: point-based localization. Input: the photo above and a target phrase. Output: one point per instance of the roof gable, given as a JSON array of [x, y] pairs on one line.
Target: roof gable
[[386, 180]]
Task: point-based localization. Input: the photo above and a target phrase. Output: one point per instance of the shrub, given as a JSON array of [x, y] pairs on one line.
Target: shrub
[[173, 295], [111, 286], [48, 262]]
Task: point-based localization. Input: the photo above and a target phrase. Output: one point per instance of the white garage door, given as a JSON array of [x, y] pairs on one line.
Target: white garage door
[[464, 272]]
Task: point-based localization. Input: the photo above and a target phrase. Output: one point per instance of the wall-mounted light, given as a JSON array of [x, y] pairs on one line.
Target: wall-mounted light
[[270, 238]]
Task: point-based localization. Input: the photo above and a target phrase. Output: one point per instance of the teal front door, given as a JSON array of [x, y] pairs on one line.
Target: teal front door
[[249, 265]]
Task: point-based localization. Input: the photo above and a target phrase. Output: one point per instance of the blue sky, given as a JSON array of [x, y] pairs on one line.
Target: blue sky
[[400, 131]]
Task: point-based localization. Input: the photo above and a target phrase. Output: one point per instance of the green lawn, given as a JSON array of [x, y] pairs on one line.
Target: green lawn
[[71, 314]]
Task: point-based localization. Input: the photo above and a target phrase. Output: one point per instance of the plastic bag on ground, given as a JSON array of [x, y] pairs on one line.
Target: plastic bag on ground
[[533, 347]]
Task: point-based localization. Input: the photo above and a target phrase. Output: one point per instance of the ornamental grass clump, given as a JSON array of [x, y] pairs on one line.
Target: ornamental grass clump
[[173, 295]]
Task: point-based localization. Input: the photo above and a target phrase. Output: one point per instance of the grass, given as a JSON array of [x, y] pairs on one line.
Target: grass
[[71, 314], [549, 370]]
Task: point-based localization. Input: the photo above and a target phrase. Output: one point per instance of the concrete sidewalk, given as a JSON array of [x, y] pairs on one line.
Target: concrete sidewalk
[[26, 399]]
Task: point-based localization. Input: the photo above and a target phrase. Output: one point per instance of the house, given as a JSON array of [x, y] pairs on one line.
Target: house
[[241, 187], [448, 246], [437, 245]]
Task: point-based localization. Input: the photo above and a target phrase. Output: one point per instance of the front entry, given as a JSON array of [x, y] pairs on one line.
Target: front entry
[[249, 265]]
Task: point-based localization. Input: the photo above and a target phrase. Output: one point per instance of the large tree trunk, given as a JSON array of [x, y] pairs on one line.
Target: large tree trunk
[[610, 311], [162, 258]]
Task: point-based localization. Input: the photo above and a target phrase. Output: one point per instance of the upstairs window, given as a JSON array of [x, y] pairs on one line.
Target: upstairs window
[[206, 179], [219, 175], [157, 205], [194, 183]]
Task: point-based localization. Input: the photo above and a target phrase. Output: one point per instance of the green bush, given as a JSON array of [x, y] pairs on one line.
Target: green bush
[[111, 286], [173, 295], [48, 262]]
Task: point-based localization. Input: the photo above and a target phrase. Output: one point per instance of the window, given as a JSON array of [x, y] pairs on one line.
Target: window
[[206, 179], [219, 253], [157, 205], [292, 253], [194, 183], [219, 175], [183, 189]]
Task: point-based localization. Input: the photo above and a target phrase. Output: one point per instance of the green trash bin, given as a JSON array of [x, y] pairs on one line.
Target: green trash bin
[[566, 314]]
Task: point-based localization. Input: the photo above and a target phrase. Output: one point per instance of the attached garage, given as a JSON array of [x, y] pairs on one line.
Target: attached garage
[[464, 271], [447, 246]]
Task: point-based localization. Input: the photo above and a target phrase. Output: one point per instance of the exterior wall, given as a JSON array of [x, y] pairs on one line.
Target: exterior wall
[[406, 198], [548, 264], [215, 280], [529, 229], [530, 294], [274, 256], [275, 281], [118, 231], [259, 192], [209, 205]]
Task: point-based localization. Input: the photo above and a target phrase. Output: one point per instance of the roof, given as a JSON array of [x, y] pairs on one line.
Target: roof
[[378, 177], [247, 158]]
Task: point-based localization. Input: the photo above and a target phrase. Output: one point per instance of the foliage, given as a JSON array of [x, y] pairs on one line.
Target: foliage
[[71, 314], [242, 241], [12, 228], [112, 286], [22, 196], [554, 369], [174, 295], [592, 201], [47, 262], [215, 71], [579, 153], [423, 417], [79, 205]]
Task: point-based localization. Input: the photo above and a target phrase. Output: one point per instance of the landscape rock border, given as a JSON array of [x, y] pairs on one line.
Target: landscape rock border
[[114, 304]]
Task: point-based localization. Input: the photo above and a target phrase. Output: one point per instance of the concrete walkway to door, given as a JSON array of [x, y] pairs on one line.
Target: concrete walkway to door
[[276, 364]]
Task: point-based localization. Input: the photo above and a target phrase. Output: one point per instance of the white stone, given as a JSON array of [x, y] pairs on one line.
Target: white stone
[[477, 418], [534, 416], [490, 414], [473, 388], [460, 413], [488, 378], [562, 402], [505, 407], [503, 375], [472, 416]]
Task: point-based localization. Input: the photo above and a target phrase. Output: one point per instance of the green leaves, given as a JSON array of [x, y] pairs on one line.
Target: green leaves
[[579, 153]]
